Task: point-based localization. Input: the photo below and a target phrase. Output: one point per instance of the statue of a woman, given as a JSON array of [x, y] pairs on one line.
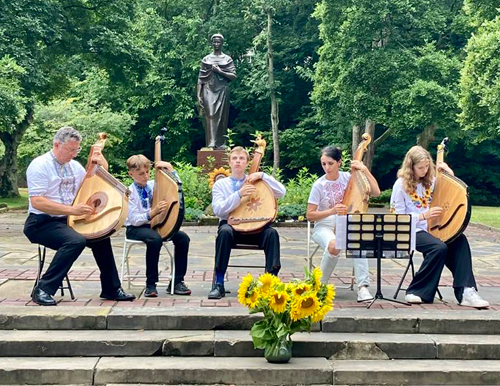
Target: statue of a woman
[[217, 70]]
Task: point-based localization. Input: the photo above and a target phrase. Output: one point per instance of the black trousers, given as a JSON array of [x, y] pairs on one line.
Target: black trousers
[[268, 239], [153, 247], [54, 233], [455, 255]]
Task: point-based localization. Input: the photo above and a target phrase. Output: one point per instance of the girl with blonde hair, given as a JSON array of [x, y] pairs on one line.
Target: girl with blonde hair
[[412, 194]]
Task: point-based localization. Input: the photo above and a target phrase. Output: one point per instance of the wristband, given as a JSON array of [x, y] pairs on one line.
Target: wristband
[[148, 216]]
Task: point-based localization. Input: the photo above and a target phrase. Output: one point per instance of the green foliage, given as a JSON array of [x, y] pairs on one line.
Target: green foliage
[[291, 211], [397, 70], [87, 119], [480, 83], [197, 194], [11, 98], [192, 214], [298, 188], [384, 198]]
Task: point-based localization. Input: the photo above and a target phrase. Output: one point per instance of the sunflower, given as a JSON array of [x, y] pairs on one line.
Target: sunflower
[[214, 175], [246, 283], [278, 301], [317, 274], [330, 294], [304, 306], [267, 283], [253, 298], [300, 289], [320, 314]]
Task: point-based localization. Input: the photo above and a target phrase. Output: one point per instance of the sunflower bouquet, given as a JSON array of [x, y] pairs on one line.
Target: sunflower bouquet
[[287, 308]]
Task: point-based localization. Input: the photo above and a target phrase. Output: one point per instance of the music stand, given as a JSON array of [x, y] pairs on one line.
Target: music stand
[[377, 233]]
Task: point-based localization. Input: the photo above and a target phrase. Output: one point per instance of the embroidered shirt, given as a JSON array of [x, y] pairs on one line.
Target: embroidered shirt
[[139, 207], [327, 193], [403, 203], [226, 198], [48, 178]]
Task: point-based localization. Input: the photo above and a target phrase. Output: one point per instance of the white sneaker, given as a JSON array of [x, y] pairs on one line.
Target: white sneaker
[[413, 299], [364, 294], [472, 299]]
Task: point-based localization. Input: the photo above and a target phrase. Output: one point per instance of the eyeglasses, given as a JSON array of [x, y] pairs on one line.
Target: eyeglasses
[[73, 151]]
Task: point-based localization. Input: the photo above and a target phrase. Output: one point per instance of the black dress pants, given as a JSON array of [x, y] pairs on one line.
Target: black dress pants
[[54, 233], [153, 247], [268, 239], [455, 255]]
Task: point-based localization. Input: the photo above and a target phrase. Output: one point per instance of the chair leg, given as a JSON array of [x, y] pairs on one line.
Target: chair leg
[[128, 264], [439, 294], [41, 262], [124, 255], [352, 280], [172, 269], [69, 288]]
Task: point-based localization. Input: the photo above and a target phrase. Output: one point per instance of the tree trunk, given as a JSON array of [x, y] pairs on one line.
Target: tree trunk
[[368, 158], [274, 102], [356, 135], [8, 163], [426, 137]]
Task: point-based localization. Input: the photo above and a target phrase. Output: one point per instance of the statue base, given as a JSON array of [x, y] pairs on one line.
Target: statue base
[[209, 159]]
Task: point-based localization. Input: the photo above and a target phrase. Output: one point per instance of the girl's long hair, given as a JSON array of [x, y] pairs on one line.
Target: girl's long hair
[[414, 156]]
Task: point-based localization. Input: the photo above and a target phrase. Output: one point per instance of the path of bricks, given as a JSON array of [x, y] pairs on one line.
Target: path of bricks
[[18, 265]]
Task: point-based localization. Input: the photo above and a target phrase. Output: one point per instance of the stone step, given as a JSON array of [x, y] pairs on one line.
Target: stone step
[[345, 346], [416, 372], [244, 371], [213, 318]]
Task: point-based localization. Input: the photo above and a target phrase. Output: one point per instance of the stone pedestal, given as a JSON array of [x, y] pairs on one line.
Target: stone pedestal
[[209, 159]]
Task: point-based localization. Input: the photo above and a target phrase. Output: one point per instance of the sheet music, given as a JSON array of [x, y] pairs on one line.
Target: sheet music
[[341, 232]]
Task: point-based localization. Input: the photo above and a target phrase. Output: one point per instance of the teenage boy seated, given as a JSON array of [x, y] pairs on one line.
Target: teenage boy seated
[[226, 196], [138, 225]]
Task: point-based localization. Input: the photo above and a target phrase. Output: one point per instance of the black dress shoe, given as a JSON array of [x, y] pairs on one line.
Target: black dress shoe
[[218, 292], [119, 295], [42, 298]]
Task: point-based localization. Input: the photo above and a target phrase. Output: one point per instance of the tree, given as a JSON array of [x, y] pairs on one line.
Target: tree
[[41, 37], [480, 83], [378, 59], [12, 105]]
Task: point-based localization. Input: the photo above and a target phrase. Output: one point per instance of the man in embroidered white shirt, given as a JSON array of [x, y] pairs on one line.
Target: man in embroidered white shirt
[[53, 182], [226, 196]]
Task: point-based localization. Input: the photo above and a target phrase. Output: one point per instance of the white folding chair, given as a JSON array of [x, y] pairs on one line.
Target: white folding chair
[[127, 245], [311, 255]]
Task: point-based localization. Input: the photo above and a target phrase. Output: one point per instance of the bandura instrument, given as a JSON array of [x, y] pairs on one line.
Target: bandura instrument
[[105, 194], [451, 194], [358, 189], [167, 188], [259, 209]]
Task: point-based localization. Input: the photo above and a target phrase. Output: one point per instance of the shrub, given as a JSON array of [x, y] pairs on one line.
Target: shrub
[[197, 193], [291, 211], [192, 214], [384, 198], [298, 189]]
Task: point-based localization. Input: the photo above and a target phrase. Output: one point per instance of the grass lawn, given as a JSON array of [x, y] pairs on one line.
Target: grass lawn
[[17, 202], [487, 215]]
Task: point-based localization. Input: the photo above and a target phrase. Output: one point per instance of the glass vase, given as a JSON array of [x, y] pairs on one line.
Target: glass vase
[[280, 351]]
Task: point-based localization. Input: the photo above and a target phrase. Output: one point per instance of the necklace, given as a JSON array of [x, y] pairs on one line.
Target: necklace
[[421, 201]]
